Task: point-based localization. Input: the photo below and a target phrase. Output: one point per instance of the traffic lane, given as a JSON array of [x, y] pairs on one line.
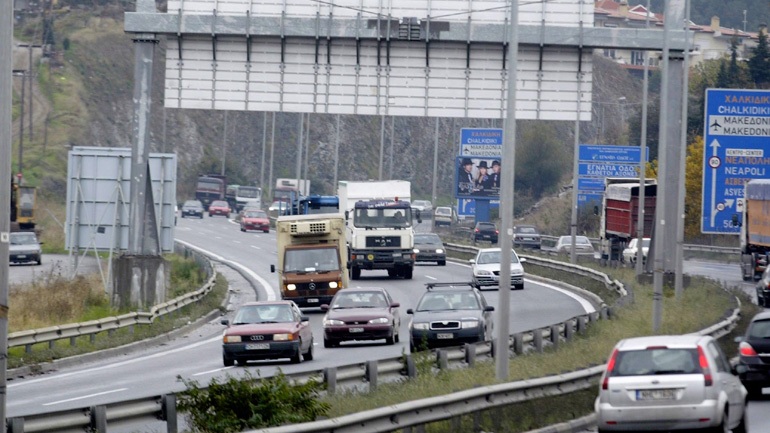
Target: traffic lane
[[53, 265]]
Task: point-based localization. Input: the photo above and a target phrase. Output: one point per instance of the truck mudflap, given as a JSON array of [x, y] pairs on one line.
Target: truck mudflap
[[398, 263]]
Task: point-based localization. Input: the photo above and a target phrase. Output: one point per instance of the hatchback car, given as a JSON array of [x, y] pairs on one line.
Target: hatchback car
[[428, 247], [255, 220], [754, 355], [267, 330], [631, 251], [192, 208], [361, 314], [526, 236], [763, 289], [219, 207], [670, 383], [24, 248], [450, 314], [485, 232], [583, 245], [444, 216], [425, 207], [485, 269]]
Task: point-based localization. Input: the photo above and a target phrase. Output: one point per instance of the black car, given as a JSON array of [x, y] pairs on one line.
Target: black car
[[450, 314], [526, 236], [754, 350], [428, 247], [192, 208], [485, 232], [763, 289]]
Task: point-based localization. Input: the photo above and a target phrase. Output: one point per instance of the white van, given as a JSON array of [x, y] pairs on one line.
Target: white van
[[444, 216]]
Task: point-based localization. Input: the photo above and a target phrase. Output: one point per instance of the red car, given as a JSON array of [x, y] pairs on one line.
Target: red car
[[267, 330], [255, 220], [219, 207], [361, 314]]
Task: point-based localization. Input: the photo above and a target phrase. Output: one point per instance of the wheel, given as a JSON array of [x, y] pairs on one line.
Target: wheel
[[355, 273], [397, 337], [407, 273], [267, 231], [297, 357], [210, 215], [182, 215], [724, 426], [39, 261], [442, 263], [309, 355], [243, 229], [227, 361], [329, 343], [392, 273]]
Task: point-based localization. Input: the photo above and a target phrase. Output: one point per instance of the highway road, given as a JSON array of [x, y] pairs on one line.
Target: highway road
[[197, 356]]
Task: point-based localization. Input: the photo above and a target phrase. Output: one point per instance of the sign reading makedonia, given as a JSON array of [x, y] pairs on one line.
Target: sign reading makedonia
[[736, 150]]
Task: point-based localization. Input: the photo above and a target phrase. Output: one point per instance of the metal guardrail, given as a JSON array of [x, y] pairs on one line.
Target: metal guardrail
[[687, 247], [72, 331]]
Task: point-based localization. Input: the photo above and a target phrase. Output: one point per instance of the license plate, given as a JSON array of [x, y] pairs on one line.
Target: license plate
[[21, 256], [312, 301], [656, 394], [445, 336], [356, 329], [486, 236], [258, 346]]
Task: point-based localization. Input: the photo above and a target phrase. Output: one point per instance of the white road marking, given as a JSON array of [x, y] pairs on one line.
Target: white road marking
[[212, 371], [431, 278], [236, 242], [84, 397], [256, 247]]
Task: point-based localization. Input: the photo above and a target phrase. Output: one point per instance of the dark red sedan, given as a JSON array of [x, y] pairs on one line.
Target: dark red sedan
[[267, 330], [255, 220], [219, 207], [361, 314]]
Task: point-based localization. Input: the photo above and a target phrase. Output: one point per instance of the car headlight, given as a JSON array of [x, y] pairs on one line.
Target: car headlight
[[333, 285], [416, 251], [421, 326], [470, 324], [232, 339], [291, 287], [283, 337], [332, 322], [380, 320], [482, 272], [439, 251]]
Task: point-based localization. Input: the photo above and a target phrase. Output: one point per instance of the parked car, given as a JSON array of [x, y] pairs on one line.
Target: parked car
[[444, 216], [754, 355], [219, 207], [485, 269], [192, 208], [485, 232], [425, 207], [255, 220], [670, 382], [526, 236], [450, 314], [630, 252], [267, 330], [583, 245], [356, 314], [23, 247], [428, 247], [763, 289]]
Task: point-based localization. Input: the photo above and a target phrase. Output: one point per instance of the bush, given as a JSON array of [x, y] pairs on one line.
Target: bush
[[238, 404]]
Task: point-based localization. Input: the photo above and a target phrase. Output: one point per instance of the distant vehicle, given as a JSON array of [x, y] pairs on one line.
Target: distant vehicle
[[450, 314], [24, 247], [315, 204], [583, 245], [361, 314], [219, 207], [485, 269], [247, 196], [763, 289], [619, 218], [754, 239], [23, 207], [631, 251], [753, 363], [444, 216], [267, 330], [428, 247], [670, 382], [485, 232], [240, 214], [277, 208], [526, 236], [192, 208], [289, 189], [255, 220], [425, 207], [210, 187]]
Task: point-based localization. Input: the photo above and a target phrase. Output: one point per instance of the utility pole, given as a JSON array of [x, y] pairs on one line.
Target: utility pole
[[6, 84], [21, 73], [224, 146]]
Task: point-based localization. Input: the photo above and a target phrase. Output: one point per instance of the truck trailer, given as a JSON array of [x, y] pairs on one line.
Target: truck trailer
[[210, 187], [312, 258], [620, 215], [755, 229], [287, 189], [379, 229]]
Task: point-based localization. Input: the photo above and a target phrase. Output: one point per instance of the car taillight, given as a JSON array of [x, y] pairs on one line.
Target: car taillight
[[477, 230], [704, 365], [610, 367], [746, 350]]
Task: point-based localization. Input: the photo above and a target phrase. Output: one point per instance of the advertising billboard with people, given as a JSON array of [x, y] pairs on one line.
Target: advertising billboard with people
[[478, 178]]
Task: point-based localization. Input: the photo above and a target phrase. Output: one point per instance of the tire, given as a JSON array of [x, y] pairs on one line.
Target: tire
[[309, 355], [392, 273], [355, 273], [442, 263], [297, 357], [328, 344], [243, 229], [227, 361], [397, 337], [267, 231], [723, 427], [39, 261], [390, 341], [407, 273]]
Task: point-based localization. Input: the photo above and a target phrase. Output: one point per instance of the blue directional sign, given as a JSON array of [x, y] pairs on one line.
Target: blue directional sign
[[481, 142], [589, 198], [736, 150], [590, 184], [608, 170], [611, 154], [466, 207]]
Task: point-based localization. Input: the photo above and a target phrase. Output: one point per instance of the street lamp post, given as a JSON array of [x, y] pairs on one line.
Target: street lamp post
[[23, 74]]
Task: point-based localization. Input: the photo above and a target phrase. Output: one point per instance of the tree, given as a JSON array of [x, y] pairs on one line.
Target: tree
[[693, 187], [759, 63]]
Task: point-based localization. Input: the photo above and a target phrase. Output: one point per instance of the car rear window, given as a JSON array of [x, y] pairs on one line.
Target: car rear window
[[487, 226], [442, 211], [760, 329], [656, 361]]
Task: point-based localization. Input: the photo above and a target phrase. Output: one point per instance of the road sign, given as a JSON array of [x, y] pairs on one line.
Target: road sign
[[466, 207], [481, 142], [611, 154], [608, 170], [590, 184], [736, 150], [588, 198]]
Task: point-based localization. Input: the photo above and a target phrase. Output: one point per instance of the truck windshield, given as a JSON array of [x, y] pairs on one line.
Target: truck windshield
[[209, 185], [311, 260], [248, 192], [383, 218]]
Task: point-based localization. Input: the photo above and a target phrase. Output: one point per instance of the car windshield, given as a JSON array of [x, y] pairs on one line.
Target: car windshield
[[488, 257], [263, 314], [486, 227], [255, 214], [248, 192], [359, 300], [759, 329], [191, 204], [23, 239], [427, 240], [303, 260], [437, 301], [656, 361], [219, 203]]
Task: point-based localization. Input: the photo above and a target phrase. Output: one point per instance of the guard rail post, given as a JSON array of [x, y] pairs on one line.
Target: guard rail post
[[168, 413], [605, 313], [411, 368], [568, 331], [537, 340], [442, 359], [330, 378], [518, 343], [470, 354], [371, 374], [555, 336], [15, 425], [581, 325], [99, 419]]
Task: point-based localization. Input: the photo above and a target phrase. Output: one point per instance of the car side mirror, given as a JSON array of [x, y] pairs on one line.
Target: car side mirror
[[347, 214], [395, 305], [324, 307], [739, 339], [489, 308], [272, 268], [523, 259], [225, 322], [472, 261], [304, 319], [410, 311]]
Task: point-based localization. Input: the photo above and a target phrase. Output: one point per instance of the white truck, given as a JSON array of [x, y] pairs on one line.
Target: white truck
[[312, 258], [379, 226], [247, 196], [287, 189]]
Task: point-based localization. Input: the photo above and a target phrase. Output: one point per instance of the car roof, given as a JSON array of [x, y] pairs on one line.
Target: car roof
[[670, 341], [764, 315]]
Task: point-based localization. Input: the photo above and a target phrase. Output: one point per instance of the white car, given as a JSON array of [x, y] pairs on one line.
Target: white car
[[486, 269], [424, 206], [629, 254]]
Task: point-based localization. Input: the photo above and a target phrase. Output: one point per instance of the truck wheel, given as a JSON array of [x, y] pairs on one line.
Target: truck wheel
[[407, 273], [392, 273], [442, 263], [355, 273]]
